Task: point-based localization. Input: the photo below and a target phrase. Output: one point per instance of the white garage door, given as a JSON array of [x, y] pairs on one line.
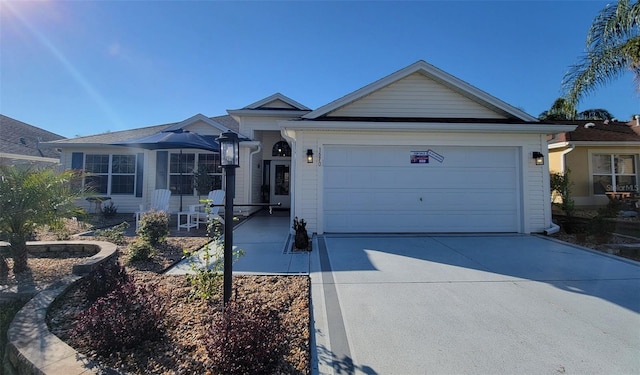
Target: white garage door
[[459, 189]]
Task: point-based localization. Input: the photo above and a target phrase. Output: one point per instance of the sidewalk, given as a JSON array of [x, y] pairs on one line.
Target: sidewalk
[[266, 242]]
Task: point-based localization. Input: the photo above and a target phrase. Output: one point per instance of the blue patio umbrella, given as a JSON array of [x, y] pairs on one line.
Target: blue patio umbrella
[[173, 139]]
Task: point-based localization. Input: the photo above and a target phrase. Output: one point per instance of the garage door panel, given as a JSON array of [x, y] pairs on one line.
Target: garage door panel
[[399, 222], [392, 178], [420, 200], [376, 189]]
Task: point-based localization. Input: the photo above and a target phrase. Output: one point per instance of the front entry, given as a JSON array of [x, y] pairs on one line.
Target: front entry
[[280, 181]]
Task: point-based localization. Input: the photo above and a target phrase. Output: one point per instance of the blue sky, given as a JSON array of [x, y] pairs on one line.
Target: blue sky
[[82, 68]]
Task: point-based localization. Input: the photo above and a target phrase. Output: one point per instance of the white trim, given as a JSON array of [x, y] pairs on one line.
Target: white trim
[[602, 143], [563, 157], [30, 158], [293, 113], [434, 73], [553, 146]]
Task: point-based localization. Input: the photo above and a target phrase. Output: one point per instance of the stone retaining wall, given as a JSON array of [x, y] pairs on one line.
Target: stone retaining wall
[[32, 348], [62, 249]]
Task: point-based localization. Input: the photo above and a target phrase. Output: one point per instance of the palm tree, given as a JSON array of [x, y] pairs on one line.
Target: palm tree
[[595, 114], [613, 46], [561, 109], [30, 197]]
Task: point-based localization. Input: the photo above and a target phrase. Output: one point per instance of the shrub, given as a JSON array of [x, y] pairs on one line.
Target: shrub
[[247, 338], [62, 233], [601, 227], [207, 277], [611, 209], [140, 250], [124, 318], [561, 187], [109, 210], [105, 279], [114, 234], [154, 227]]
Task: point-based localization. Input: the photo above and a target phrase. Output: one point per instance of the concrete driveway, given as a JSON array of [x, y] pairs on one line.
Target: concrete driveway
[[472, 305]]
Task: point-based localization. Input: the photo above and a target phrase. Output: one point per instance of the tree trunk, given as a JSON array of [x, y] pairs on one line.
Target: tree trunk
[[20, 255], [4, 269]]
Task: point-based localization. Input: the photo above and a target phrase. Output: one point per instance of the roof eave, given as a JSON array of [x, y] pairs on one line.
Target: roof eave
[[291, 113], [602, 143], [427, 126]]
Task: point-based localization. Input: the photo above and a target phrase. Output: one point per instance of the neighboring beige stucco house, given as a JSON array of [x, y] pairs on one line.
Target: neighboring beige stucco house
[[602, 156], [416, 151]]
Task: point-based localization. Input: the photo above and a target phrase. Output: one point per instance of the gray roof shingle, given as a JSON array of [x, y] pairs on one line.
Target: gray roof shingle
[[17, 137], [118, 136]]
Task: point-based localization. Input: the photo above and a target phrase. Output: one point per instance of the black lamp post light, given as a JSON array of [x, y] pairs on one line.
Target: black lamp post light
[[230, 160]]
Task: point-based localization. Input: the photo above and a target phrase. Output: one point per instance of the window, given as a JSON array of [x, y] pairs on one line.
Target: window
[[211, 164], [281, 148], [181, 168], [182, 172], [110, 174], [123, 174], [614, 173]]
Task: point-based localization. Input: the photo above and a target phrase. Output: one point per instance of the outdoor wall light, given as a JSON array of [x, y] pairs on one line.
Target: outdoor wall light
[[538, 157], [309, 155], [229, 149]]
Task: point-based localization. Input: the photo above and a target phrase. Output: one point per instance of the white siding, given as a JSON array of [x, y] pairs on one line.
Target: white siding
[[306, 193], [416, 96], [538, 214]]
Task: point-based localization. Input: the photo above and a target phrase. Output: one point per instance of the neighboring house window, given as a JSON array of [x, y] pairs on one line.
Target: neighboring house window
[[182, 167], [281, 148], [614, 173], [110, 174]]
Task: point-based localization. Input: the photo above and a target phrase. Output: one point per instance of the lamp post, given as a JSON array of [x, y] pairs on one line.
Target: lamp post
[[229, 158]]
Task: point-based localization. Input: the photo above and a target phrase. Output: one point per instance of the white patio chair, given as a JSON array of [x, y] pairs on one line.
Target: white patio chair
[[159, 202], [203, 214]]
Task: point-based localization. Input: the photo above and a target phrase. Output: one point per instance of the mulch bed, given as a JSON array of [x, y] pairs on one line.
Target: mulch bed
[[181, 350]]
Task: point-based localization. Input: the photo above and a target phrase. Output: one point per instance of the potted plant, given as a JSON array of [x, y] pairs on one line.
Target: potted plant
[[301, 239]]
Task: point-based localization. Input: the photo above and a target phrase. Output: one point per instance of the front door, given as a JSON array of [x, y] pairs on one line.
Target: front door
[[280, 181]]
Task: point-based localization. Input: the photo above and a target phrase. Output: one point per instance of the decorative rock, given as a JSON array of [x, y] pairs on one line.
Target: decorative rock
[[628, 214]]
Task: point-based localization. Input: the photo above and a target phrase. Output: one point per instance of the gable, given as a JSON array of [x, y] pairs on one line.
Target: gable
[[416, 96], [277, 104], [277, 101], [420, 91]]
